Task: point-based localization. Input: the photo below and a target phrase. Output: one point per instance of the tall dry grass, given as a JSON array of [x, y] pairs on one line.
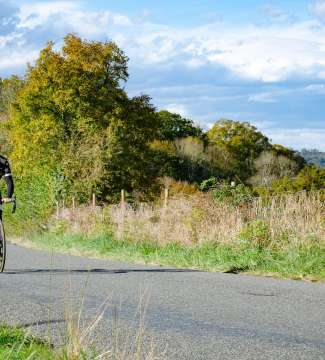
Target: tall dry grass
[[291, 219]]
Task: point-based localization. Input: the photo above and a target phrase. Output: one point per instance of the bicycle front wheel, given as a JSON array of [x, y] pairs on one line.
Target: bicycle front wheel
[[2, 247]]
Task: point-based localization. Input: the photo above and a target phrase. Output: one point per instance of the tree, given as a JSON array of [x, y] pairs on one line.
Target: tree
[[9, 89], [290, 154], [311, 177], [174, 126], [270, 166], [73, 119], [239, 141], [128, 157]]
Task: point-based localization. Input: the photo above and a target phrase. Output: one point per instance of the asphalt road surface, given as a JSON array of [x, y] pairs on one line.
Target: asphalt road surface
[[187, 314]]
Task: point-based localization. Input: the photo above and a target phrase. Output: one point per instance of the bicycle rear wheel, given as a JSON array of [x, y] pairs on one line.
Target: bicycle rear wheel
[[2, 247]]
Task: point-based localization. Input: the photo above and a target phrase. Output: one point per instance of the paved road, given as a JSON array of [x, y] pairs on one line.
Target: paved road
[[188, 314]]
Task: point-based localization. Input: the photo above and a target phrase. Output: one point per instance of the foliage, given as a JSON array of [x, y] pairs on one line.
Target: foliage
[[9, 89], [74, 131], [290, 154], [16, 344], [181, 188], [255, 234], [296, 262], [184, 159], [35, 204], [73, 119], [240, 142], [174, 126], [209, 184], [235, 195], [270, 166], [309, 178]]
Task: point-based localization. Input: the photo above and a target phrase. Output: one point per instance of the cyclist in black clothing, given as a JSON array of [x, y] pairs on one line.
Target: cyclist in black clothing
[[6, 173]]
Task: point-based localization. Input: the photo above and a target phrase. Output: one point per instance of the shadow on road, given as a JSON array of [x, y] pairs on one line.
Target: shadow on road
[[42, 322], [94, 271]]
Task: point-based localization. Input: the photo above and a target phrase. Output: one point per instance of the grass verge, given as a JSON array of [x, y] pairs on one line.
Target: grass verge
[[296, 262], [16, 344]]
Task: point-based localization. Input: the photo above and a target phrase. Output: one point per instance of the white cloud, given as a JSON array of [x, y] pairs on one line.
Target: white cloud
[[315, 89], [266, 97], [69, 14], [182, 61], [265, 53], [268, 54], [277, 94], [318, 9], [35, 14], [298, 138], [276, 13], [36, 23], [177, 108], [15, 59]]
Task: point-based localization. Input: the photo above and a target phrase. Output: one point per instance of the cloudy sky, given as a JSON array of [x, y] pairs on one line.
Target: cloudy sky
[[255, 60]]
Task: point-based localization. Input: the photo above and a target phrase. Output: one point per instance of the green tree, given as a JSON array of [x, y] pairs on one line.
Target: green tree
[[9, 88], [174, 126], [311, 177], [73, 119], [185, 159], [240, 142], [290, 154]]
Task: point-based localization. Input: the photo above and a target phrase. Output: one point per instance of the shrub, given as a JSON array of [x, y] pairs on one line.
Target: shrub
[[182, 187], [235, 195], [209, 184], [255, 234]]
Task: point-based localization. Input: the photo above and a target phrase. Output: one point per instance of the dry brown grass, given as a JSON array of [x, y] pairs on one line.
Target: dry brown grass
[[292, 219], [124, 343], [295, 218]]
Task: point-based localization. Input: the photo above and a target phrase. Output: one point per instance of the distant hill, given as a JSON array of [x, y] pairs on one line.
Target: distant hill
[[314, 156]]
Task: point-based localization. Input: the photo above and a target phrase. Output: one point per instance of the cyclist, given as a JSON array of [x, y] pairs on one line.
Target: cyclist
[[6, 173]]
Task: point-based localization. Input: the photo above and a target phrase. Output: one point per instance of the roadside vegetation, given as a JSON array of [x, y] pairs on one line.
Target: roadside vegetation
[[283, 236], [232, 200], [18, 345]]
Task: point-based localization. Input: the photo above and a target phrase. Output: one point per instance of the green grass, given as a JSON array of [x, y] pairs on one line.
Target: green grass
[[15, 344], [293, 262]]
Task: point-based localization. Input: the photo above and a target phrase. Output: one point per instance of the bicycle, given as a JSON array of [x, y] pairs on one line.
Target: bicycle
[[2, 234]]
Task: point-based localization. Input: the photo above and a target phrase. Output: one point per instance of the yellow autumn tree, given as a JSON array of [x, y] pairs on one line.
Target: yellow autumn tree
[[74, 121]]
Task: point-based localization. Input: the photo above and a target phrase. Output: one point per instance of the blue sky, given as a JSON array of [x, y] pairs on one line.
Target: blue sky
[[255, 60]]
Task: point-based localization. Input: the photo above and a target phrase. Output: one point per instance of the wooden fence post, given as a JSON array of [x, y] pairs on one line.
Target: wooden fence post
[[94, 200], [122, 199], [166, 197], [121, 223], [57, 210], [73, 205]]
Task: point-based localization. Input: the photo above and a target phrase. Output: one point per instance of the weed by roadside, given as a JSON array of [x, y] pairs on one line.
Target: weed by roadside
[[297, 262], [15, 344], [284, 235]]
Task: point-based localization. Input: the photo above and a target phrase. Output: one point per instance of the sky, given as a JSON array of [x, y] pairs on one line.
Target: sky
[[260, 61]]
